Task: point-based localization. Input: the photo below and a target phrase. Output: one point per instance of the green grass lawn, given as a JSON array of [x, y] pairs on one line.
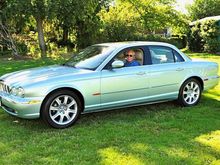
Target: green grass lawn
[[154, 134]]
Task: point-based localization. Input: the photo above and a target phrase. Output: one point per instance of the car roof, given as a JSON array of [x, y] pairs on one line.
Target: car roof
[[134, 43]]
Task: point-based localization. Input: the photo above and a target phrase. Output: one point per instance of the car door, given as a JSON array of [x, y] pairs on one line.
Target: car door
[[166, 72], [122, 86]]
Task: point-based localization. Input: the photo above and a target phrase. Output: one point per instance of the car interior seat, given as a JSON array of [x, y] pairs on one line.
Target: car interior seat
[[139, 56]]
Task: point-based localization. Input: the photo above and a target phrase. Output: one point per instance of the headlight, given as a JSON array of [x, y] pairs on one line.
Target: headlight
[[17, 91], [21, 92], [13, 91]]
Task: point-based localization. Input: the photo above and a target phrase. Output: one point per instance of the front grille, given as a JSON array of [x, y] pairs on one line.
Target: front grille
[[1, 86], [4, 87]]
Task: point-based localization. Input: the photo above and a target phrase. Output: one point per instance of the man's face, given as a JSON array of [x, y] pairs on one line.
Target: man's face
[[130, 55]]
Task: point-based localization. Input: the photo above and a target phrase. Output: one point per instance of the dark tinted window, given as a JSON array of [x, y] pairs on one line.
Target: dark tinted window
[[178, 57]]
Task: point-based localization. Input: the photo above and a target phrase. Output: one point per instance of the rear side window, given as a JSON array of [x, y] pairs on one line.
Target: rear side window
[[161, 55], [178, 57]]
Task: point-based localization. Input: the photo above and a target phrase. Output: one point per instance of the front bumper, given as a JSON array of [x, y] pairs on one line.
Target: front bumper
[[28, 108]]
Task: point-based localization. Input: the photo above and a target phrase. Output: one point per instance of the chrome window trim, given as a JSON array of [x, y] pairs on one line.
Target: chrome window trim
[[141, 44]]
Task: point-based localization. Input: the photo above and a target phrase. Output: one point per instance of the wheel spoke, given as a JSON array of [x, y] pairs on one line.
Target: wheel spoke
[[71, 110], [58, 101], [61, 119], [67, 116], [52, 108], [191, 99], [55, 116], [71, 104], [187, 87], [65, 100], [186, 98], [191, 85], [196, 87]]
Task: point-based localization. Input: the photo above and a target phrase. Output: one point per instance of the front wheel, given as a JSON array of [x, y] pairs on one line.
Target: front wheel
[[62, 109], [190, 92]]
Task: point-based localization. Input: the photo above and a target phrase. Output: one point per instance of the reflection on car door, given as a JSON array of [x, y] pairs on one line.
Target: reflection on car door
[[122, 85], [166, 73]]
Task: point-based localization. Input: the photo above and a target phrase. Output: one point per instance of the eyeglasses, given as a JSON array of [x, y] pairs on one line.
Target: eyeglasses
[[129, 55]]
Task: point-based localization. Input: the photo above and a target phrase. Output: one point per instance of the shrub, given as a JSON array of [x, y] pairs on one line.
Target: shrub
[[194, 39], [212, 45], [209, 33], [21, 48], [204, 36]]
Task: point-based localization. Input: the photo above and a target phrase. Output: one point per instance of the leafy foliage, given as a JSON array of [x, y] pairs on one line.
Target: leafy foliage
[[210, 31], [204, 8], [120, 22], [49, 26], [204, 36], [195, 39]]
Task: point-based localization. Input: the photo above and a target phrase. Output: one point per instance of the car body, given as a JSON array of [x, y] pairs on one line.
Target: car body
[[163, 73]]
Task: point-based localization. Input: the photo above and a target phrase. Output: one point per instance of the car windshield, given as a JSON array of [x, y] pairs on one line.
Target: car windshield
[[90, 58]]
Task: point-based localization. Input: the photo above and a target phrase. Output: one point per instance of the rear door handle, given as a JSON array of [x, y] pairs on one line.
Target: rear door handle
[[179, 69], [141, 73]]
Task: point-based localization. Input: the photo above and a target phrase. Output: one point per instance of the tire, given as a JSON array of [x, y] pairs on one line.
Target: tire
[[61, 109], [190, 93]]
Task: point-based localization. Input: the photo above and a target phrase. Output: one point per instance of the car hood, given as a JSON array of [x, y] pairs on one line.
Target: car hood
[[35, 75]]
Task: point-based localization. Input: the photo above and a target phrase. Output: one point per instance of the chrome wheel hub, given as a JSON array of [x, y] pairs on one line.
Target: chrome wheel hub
[[191, 92], [63, 109]]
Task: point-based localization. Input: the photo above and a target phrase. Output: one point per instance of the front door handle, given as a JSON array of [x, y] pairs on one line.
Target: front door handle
[[179, 69], [141, 73]]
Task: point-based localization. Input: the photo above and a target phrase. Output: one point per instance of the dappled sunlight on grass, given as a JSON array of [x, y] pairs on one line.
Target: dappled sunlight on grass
[[212, 96], [177, 152], [112, 156], [139, 147], [210, 140], [213, 93]]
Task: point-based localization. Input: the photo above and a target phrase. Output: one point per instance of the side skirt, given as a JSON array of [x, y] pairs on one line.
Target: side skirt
[[126, 106]]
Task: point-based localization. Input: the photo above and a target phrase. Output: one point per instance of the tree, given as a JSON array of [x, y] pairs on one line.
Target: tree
[[204, 8], [119, 23], [87, 22], [157, 14], [79, 17], [138, 16], [23, 10], [5, 37]]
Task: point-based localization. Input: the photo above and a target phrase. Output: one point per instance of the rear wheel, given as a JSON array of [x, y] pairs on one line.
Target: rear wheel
[[190, 92], [61, 109]]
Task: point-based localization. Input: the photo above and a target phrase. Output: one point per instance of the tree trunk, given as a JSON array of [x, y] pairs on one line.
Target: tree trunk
[[83, 39], [41, 37], [7, 39], [65, 34]]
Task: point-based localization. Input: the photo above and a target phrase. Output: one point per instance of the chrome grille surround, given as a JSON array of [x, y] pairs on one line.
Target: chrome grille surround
[[3, 87]]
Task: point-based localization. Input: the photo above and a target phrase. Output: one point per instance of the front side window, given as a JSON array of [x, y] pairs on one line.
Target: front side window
[[91, 57], [131, 57]]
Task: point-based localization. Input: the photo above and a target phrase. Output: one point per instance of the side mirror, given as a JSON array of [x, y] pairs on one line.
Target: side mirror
[[117, 64]]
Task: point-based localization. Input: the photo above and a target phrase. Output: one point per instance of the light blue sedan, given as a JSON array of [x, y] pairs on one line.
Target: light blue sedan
[[106, 76]]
